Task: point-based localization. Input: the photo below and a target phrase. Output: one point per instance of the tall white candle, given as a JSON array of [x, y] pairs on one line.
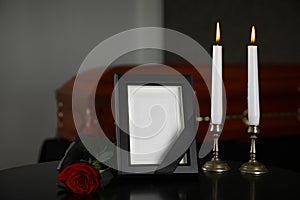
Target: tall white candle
[[216, 92], [253, 88]]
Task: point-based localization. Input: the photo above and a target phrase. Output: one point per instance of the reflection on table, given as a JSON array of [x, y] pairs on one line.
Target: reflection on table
[[39, 182]]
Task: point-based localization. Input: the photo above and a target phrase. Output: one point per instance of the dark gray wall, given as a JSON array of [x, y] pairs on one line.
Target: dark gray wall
[[42, 44], [277, 25]]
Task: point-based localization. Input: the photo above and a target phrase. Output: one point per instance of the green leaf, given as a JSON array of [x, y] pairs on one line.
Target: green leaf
[[105, 156]]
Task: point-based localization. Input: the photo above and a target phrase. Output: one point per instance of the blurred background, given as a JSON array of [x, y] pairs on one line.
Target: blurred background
[[43, 43]]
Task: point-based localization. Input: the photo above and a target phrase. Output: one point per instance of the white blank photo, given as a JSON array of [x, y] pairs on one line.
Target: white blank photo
[[155, 121]]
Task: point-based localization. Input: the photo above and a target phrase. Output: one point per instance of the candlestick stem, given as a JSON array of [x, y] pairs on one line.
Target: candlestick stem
[[216, 146], [215, 164], [253, 166], [253, 148]]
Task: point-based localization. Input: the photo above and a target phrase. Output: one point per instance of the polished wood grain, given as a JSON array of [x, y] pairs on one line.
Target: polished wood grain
[[279, 97]]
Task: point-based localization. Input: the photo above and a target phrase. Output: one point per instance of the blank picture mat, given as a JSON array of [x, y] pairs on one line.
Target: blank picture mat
[[155, 121]]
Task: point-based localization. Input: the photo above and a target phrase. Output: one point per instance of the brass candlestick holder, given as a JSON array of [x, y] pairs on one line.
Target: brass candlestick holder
[[253, 166], [216, 164]]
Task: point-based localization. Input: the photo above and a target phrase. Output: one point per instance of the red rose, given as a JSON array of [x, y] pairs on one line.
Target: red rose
[[81, 178]]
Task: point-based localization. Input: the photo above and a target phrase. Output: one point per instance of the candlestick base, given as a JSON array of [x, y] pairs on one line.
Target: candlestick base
[[215, 165], [253, 167]]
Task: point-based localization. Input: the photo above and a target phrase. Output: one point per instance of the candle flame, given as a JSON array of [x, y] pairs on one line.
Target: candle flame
[[218, 33], [252, 35]]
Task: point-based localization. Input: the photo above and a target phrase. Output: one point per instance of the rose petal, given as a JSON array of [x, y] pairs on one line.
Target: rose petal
[[81, 178]]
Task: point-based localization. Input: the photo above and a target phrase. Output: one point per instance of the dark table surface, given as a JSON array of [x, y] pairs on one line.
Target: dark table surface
[[39, 182]]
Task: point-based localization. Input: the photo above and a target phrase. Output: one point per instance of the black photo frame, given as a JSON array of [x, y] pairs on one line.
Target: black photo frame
[[180, 95]]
